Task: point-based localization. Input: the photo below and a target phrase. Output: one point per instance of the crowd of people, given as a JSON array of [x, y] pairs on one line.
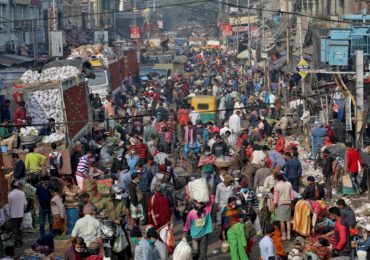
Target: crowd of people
[[255, 204]]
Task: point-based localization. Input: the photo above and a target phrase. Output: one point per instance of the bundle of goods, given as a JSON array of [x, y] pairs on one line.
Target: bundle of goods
[[198, 190], [61, 245], [55, 73], [29, 135], [28, 131], [100, 51], [224, 161], [29, 254], [104, 185], [44, 104], [53, 138]]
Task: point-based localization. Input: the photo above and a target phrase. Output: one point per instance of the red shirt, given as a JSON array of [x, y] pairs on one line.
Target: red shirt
[[159, 211], [142, 150], [20, 115], [280, 144], [341, 230], [183, 117], [353, 160]]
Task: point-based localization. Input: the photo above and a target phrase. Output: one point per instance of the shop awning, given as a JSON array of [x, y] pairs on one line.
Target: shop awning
[[9, 59]]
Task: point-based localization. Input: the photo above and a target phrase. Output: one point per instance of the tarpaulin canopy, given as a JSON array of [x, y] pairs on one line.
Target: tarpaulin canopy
[[9, 59]]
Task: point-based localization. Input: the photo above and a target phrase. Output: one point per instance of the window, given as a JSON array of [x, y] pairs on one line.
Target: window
[[203, 106], [2, 17]]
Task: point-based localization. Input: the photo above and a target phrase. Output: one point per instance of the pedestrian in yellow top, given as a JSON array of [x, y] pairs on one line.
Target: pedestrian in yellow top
[[34, 165]]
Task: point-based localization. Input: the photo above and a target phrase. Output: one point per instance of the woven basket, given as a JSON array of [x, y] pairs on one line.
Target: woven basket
[[221, 162], [61, 246]]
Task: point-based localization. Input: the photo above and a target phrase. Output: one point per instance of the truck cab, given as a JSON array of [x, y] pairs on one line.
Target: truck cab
[[101, 83]]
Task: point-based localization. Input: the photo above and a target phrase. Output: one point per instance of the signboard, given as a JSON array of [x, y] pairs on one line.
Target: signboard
[[244, 28], [56, 43], [52, 19], [243, 20], [160, 24], [22, 2], [348, 112], [227, 29], [101, 37], [35, 2], [303, 68], [135, 32]]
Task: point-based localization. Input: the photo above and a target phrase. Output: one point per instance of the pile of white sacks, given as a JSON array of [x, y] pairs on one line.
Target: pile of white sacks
[[44, 104], [55, 73]]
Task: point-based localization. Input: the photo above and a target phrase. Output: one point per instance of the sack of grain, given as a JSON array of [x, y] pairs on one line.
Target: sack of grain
[[198, 190]]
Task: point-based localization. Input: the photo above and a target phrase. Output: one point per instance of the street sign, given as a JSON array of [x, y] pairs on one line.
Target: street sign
[[135, 32], [56, 44], [303, 68], [227, 29]]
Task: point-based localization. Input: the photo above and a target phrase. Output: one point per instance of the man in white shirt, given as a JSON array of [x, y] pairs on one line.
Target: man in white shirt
[[267, 248], [88, 228], [17, 205], [194, 116], [272, 104], [234, 124]]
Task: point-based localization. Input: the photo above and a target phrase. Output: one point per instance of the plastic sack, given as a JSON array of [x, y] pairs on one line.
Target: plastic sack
[[120, 243], [225, 248], [182, 251], [198, 190], [170, 241], [27, 221]]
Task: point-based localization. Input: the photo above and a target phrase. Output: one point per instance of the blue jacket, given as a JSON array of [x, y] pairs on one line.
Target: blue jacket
[[293, 169], [318, 135], [277, 159]]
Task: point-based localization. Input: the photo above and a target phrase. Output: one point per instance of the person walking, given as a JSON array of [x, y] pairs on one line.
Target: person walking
[[283, 198], [235, 126], [136, 199], [43, 193], [354, 162], [266, 245], [224, 190], [328, 171], [293, 170], [17, 205], [159, 212], [233, 229], [201, 223]]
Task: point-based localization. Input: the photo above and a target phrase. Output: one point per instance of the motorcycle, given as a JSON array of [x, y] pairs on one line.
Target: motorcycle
[[115, 240]]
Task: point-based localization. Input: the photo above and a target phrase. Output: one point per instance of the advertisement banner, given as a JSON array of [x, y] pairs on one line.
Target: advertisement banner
[[227, 29], [135, 32], [243, 20], [348, 112], [56, 44]]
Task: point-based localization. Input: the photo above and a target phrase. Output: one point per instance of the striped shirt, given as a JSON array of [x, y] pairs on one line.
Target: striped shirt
[[172, 126], [83, 165]]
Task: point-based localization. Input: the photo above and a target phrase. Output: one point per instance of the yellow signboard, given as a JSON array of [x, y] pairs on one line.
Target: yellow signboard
[[243, 20], [303, 68]]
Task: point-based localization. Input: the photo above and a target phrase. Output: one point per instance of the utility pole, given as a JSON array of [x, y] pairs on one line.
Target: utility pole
[[299, 23], [287, 32], [249, 34], [359, 96]]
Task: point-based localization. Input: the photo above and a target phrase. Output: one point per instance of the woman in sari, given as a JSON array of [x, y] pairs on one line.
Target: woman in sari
[[233, 230]]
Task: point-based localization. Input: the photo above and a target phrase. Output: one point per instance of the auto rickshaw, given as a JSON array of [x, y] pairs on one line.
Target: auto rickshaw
[[206, 106]]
